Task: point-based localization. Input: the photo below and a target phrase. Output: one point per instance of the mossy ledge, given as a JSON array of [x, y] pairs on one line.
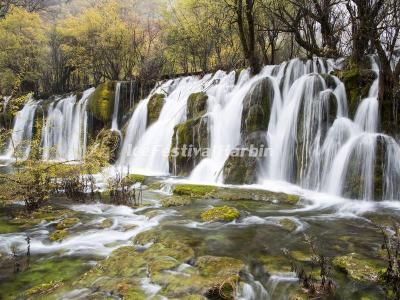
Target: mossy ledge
[[357, 268], [233, 194], [224, 213]]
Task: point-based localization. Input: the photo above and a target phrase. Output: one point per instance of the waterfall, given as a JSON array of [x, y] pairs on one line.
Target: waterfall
[[19, 145], [135, 130], [225, 105], [114, 123], [64, 136], [152, 149], [311, 139]]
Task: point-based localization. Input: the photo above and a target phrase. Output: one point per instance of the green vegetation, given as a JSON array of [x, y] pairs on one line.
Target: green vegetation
[[357, 82], [224, 213], [154, 108], [101, 102], [196, 105], [357, 268], [67, 223], [134, 178], [192, 190], [42, 278], [58, 235], [176, 201]]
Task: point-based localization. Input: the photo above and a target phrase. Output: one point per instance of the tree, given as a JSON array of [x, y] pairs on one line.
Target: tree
[[28, 5], [22, 51]]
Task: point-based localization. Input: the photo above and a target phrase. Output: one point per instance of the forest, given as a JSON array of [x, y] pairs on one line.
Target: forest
[[200, 149]]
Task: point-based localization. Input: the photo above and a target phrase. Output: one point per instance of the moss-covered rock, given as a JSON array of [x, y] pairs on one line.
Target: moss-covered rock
[[192, 190], [240, 169], [196, 105], [58, 235], [43, 214], [101, 102], [224, 213], [189, 141], [236, 194], [257, 106], [288, 224], [176, 201], [111, 140], [134, 178], [67, 223], [43, 278], [357, 268], [106, 223], [154, 107], [43, 289], [357, 82]]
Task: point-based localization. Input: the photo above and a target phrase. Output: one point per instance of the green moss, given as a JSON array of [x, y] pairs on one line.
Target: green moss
[[134, 178], [233, 194], [219, 266], [357, 268], [6, 227], [256, 107], [154, 107], [106, 223], [67, 223], [101, 102], [357, 82], [224, 213], [275, 263], [42, 278], [192, 190], [288, 224], [58, 235], [45, 213], [196, 105], [175, 201], [300, 256], [192, 132], [44, 288], [111, 141]]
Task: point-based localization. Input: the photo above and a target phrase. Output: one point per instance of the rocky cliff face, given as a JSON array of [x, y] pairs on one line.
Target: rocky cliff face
[[193, 134]]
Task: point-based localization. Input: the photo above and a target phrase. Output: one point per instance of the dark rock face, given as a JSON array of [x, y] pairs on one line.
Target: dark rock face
[[191, 134], [357, 82], [240, 168], [317, 112], [190, 138], [257, 104], [196, 105], [257, 107], [154, 108]]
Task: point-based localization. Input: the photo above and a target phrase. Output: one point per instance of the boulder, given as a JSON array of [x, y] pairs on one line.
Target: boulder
[[240, 168], [224, 214], [257, 107], [196, 105], [111, 140], [189, 141]]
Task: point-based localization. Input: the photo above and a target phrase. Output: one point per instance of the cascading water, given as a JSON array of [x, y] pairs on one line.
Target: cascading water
[[64, 135], [225, 105], [114, 123], [311, 139], [152, 149], [19, 145]]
